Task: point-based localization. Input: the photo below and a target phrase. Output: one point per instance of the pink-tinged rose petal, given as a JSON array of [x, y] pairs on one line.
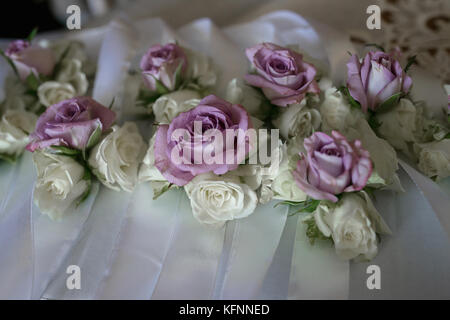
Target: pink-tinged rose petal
[[160, 63], [30, 59], [380, 77], [354, 82], [300, 176], [163, 163], [332, 165], [71, 123], [282, 74], [212, 114]]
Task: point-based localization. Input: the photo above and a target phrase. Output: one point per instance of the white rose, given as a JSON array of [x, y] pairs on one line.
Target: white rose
[[434, 158], [383, 156], [251, 99], [15, 126], [115, 160], [398, 125], [297, 120], [148, 172], [352, 223], [337, 113], [215, 199], [283, 184], [52, 92], [60, 183], [70, 72], [285, 188], [15, 97], [172, 104], [200, 68]]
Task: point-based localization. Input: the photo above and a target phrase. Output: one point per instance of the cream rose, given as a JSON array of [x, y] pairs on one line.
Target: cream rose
[[297, 120], [434, 158], [115, 160], [337, 113], [15, 126], [200, 69], [52, 92], [71, 73], [215, 199], [398, 125], [148, 172], [252, 100], [353, 224], [170, 105], [61, 181], [15, 97]]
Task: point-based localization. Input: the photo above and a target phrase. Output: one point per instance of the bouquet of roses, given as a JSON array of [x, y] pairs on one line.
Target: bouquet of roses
[[380, 87], [43, 74]]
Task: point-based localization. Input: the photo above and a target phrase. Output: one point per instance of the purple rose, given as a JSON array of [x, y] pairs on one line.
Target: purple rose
[[282, 74], [70, 123], [28, 58], [201, 127], [161, 63], [378, 78], [332, 165]]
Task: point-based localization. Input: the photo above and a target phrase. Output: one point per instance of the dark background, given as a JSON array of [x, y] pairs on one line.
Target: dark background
[[19, 17]]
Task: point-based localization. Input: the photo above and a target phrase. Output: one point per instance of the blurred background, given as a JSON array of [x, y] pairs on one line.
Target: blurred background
[[417, 27]]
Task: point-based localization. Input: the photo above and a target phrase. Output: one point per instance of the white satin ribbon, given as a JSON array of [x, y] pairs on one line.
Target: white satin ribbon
[[250, 248], [439, 201], [53, 241], [144, 242], [190, 267], [316, 271], [92, 252], [117, 49], [16, 259]]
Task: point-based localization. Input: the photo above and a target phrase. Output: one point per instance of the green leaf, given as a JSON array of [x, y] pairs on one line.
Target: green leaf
[[112, 103], [88, 177], [8, 158], [32, 34], [376, 46], [411, 60], [32, 81], [373, 122], [58, 64], [145, 98], [66, 151], [95, 137], [178, 75], [10, 62], [160, 87], [158, 190], [312, 231], [353, 103], [388, 104], [288, 203]]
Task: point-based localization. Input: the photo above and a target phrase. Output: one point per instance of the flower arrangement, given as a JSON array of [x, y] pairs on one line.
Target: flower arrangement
[[329, 149], [43, 74]]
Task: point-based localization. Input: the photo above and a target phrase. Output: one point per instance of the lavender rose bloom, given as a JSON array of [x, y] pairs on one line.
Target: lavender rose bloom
[[211, 115], [379, 77], [30, 59], [332, 165], [282, 74], [161, 63], [70, 123]]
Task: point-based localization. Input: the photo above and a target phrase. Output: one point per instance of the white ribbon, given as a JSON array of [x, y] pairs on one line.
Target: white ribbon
[[92, 252], [439, 201], [53, 241], [316, 271], [248, 253], [16, 259]]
